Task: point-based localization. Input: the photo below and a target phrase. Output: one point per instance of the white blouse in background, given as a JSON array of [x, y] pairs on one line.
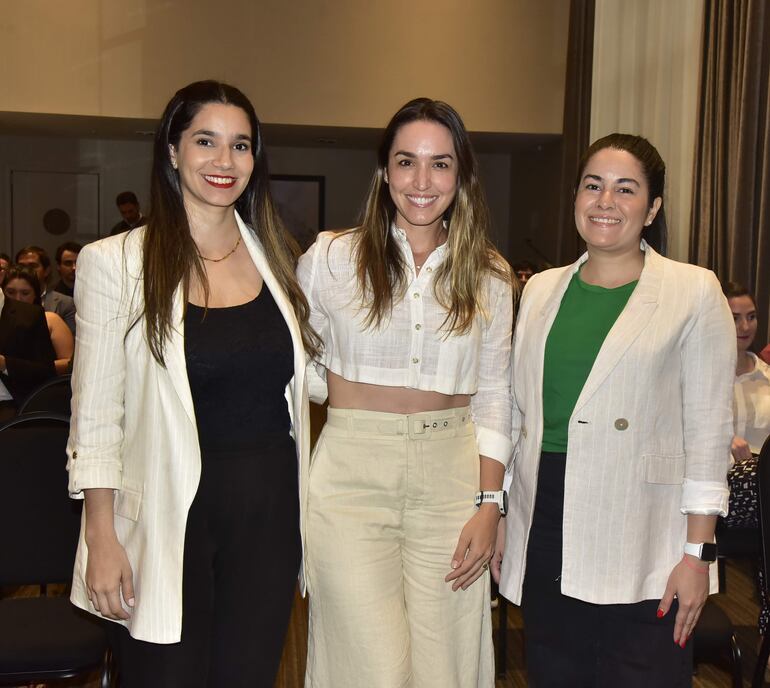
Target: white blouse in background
[[409, 349], [752, 405]]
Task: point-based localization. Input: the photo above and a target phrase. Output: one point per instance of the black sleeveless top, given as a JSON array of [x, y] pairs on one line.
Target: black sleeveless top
[[239, 361]]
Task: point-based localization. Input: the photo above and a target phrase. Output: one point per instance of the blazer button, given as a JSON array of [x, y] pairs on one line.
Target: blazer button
[[74, 455], [524, 432], [621, 424]]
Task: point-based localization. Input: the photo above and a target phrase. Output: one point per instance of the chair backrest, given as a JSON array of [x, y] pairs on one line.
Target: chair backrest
[[53, 396], [763, 476], [39, 523]]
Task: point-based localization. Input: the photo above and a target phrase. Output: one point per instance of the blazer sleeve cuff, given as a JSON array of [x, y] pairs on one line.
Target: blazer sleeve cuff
[[705, 498], [92, 474], [494, 445]]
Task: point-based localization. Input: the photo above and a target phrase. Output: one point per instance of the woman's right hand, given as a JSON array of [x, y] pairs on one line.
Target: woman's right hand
[[109, 576], [740, 449], [108, 572]]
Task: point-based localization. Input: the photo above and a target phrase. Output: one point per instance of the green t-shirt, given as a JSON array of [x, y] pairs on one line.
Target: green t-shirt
[[586, 315]]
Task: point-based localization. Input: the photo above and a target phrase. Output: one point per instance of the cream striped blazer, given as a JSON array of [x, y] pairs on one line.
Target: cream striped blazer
[[649, 438], [133, 426]]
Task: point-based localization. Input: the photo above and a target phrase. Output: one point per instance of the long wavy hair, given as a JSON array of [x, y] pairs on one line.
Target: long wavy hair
[[654, 170], [470, 256], [170, 256]]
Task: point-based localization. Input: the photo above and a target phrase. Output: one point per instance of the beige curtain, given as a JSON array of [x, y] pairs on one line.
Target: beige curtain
[[645, 81], [731, 195], [577, 121]]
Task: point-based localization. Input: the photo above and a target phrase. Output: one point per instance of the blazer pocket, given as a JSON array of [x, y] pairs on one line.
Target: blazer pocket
[[128, 501], [664, 468]]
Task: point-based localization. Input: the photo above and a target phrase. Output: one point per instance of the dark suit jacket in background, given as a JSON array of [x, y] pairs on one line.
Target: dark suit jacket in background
[[26, 345], [63, 306]]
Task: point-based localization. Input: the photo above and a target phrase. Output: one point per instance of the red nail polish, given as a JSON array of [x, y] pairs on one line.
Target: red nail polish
[[682, 644], [661, 613]]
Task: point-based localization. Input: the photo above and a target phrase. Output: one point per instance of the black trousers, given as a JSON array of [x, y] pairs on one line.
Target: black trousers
[[241, 558], [575, 644]]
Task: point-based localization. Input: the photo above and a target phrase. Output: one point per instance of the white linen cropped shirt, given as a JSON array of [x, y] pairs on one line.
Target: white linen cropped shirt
[[411, 349], [751, 405]]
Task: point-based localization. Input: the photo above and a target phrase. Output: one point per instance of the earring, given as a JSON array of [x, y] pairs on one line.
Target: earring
[[173, 164]]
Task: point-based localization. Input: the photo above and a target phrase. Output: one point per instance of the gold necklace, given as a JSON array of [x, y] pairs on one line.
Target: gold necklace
[[227, 255]]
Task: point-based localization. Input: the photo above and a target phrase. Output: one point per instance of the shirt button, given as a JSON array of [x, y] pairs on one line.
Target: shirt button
[[418, 326], [415, 360], [428, 269], [621, 424], [416, 294]]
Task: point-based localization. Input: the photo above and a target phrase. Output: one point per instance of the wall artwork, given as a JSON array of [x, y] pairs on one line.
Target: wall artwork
[[300, 203]]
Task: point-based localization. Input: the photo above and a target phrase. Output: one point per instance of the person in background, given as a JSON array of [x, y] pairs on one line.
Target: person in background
[[36, 258], [623, 384], [22, 284], [66, 260], [414, 308], [5, 263], [524, 269], [751, 419], [26, 353], [190, 428], [128, 207]]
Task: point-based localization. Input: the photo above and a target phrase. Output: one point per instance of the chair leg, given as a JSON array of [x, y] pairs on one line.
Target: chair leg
[[759, 671], [502, 636], [735, 656]]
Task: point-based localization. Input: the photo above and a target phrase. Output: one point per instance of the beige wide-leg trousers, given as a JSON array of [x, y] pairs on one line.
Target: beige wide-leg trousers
[[388, 497]]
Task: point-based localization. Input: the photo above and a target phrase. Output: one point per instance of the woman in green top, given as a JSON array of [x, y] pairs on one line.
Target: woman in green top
[[622, 372]]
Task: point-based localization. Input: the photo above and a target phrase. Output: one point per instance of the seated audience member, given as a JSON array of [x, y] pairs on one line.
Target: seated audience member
[[751, 408], [26, 353], [524, 270], [128, 206], [22, 284], [5, 263], [53, 301], [66, 258]]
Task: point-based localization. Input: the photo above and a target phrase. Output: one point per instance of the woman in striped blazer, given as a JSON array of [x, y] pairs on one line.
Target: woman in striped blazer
[[622, 368], [189, 412]]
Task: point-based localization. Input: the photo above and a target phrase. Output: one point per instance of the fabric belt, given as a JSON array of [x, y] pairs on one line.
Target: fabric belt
[[413, 425]]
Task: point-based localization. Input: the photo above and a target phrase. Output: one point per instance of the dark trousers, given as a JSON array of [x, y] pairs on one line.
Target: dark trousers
[[575, 644], [241, 558]]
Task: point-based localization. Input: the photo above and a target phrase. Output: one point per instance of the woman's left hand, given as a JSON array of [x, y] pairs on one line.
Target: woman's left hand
[[689, 581], [475, 547]]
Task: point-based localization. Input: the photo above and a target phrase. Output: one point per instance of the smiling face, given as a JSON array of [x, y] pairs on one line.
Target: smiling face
[[612, 204], [745, 316], [214, 157], [19, 290], [422, 174]]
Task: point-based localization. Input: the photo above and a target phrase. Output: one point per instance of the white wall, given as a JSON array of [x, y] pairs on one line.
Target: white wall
[[314, 62]]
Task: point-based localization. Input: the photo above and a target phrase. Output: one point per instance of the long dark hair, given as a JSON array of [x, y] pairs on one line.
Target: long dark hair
[[170, 255], [654, 170], [470, 255]]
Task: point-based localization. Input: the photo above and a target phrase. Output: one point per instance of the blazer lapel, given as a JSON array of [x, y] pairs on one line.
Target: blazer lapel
[[176, 364], [630, 323]]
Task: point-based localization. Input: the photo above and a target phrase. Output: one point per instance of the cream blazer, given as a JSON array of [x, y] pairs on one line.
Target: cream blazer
[[133, 426], [649, 438]]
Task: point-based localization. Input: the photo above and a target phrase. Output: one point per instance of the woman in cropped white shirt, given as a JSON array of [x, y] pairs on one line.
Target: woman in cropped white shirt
[[414, 310]]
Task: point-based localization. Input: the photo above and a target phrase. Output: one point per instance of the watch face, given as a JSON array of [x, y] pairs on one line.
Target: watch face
[[708, 552]]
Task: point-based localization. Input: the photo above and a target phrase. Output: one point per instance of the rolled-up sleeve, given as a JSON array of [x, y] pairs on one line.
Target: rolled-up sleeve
[[708, 371], [98, 378], [492, 402]]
